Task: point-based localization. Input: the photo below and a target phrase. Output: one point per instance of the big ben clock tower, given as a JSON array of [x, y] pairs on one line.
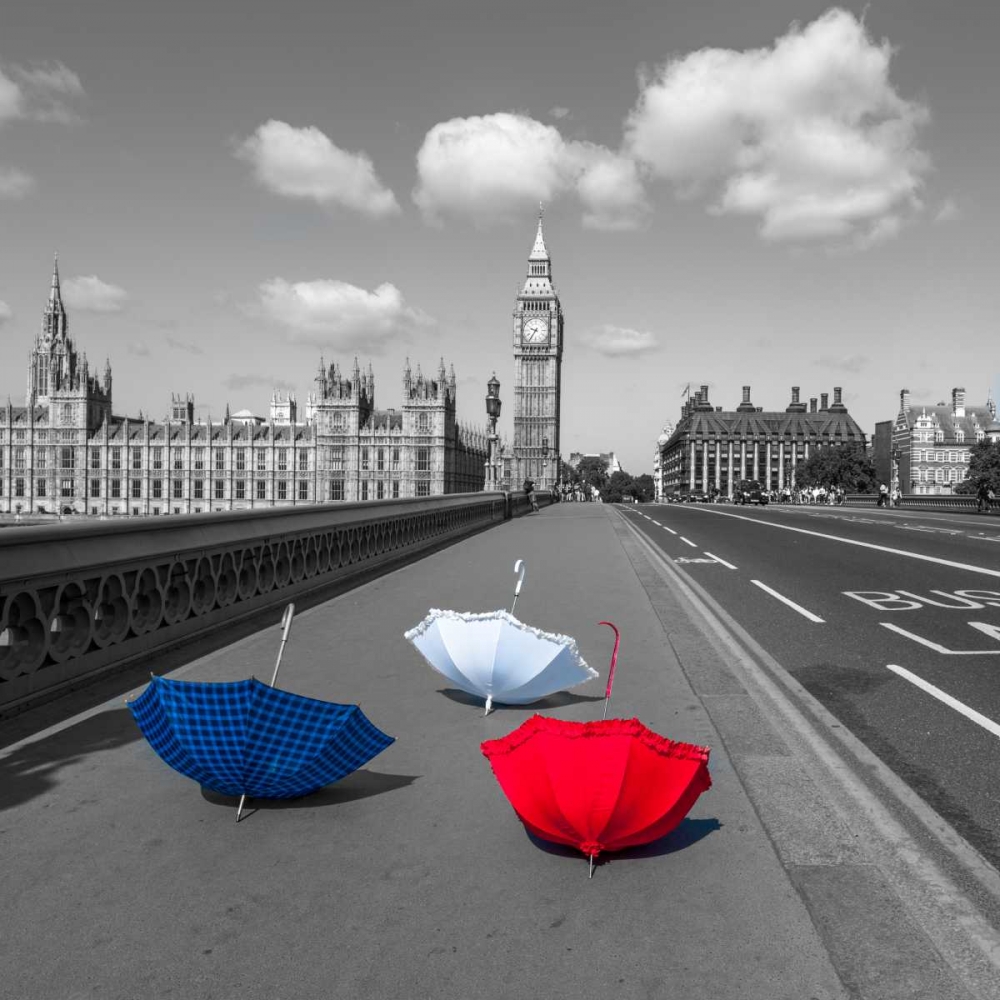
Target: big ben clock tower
[[538, 347]]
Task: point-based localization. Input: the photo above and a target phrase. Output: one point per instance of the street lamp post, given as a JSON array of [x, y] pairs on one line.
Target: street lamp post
[[493, 405], [545, 462]]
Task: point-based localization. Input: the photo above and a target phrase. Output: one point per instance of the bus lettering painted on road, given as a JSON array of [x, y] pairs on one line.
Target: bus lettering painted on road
[[905, 600]]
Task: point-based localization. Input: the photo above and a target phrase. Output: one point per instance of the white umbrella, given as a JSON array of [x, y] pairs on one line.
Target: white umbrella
[[497, 657]]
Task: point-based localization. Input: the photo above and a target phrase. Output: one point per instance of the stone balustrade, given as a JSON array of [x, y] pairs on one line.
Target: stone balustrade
[[921, 501], [78, 599]]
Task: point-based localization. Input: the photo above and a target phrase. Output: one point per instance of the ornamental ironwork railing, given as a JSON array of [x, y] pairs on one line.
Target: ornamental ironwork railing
[[78, 599]]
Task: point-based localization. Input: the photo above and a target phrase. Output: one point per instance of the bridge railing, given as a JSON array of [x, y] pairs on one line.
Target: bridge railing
[[918, 501], [79, 599]]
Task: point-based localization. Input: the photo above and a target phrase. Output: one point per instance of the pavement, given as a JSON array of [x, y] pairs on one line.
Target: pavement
[[413, 877]]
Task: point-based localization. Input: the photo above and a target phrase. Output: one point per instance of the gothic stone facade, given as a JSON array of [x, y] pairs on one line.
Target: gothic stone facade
[[713, 449], [66, 452], [538, 349]]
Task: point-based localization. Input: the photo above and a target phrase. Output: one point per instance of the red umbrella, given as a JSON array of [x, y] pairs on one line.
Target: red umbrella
[[597, 786]]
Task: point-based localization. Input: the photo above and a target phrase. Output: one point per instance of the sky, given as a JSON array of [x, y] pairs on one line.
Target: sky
[[775, 194]]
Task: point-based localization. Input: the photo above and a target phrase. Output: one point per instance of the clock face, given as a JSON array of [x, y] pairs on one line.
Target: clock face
[[536, 330]]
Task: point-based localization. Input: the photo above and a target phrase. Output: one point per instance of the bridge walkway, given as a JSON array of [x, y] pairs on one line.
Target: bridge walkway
[[413, 878]]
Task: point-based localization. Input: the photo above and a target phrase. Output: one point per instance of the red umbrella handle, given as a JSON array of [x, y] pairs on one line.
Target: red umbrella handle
[[611, 669]]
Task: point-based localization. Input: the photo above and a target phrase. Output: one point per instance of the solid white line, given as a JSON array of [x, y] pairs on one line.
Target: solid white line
[[689, 542], [937, 647], [970, 713], [863, 545], [729, 565], [784, 600]]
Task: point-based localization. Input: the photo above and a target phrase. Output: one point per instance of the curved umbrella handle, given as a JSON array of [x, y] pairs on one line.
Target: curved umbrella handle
[[286, 627], [519, 568], [611, 669]]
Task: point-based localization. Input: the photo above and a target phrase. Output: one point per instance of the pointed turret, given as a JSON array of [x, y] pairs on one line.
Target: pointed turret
[[54, 325], [538, 251]]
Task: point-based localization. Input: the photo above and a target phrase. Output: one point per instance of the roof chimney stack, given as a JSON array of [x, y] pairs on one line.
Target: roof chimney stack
[[904, 400], [812, 404], [958, 402], [824, 404]]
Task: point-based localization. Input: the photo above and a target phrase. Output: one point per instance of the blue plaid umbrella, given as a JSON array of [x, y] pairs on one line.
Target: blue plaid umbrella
[[246, 738]]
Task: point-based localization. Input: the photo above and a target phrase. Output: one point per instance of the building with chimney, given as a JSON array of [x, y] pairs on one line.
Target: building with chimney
[[931, 444], [65, 451], [712, 449]]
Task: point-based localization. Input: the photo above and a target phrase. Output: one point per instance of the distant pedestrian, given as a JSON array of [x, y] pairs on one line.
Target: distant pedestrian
[[896, 497], [984, 498], [883, 496], [529, 488]]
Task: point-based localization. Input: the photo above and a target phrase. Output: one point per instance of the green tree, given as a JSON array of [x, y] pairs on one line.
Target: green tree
[[567, 474], [846, 465]]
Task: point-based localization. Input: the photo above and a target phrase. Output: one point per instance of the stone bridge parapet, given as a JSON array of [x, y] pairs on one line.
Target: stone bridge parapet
[[79, 599]]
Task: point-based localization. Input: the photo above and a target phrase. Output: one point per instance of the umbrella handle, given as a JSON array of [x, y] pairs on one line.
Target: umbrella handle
[[611, 669], [519, 568], [286, 627]]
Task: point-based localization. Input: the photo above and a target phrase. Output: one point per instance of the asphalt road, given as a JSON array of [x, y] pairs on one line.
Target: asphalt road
[[883, 615]]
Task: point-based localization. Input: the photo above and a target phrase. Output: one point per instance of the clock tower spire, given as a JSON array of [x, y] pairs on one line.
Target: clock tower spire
[[538, 347]]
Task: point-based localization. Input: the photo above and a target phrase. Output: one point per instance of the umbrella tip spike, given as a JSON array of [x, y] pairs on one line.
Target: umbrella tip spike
[[489, 705], [591, 875]]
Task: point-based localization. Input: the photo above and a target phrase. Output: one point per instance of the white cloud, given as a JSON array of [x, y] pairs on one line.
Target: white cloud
[[948, 212], [15, 183], [90, 294], [11, 98], [332, 312], [39, 92], [558, 112], [615, 341], [808, 135], [304, 163], [183, 345], [491, 168], [5, 312]]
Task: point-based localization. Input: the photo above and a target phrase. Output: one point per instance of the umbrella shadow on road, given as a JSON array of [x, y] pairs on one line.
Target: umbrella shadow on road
[[33, 769], [361, 784], [687, 832], [558, 700]]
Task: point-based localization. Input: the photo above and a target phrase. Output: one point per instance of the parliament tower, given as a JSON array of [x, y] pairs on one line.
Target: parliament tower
[[538, 348]]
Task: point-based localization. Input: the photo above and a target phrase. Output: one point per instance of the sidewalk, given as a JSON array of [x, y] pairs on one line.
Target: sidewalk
[[413, 878]]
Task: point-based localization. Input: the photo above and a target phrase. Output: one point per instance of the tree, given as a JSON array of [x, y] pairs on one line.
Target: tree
[[568, 475], [618, 486], [984, 468], [846, 465], [592, 471], [644, 488]]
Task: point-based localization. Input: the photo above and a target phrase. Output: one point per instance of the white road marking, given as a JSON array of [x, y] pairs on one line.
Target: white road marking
[[685, 559], [671, 530], [864, 545], [784, 600], [937, 647], [688, 541], [728, 565], [970, 713]]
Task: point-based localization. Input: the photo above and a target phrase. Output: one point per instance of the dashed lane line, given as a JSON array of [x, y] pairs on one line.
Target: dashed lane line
[[784, 600], [688, 541], [970, 713], [728, 565]]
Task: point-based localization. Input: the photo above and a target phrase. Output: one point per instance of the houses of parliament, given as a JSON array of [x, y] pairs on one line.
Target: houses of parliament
[[67, 452]]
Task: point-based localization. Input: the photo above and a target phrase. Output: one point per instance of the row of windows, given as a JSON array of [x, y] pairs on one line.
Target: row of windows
[[933, 455], [379, 489]]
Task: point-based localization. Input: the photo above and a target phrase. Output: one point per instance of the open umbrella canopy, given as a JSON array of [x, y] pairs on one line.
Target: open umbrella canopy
[[246, 738], [497, 657], [597, 786]]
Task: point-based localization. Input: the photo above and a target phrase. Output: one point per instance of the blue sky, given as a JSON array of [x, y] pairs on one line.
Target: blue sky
[[774, 194]]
